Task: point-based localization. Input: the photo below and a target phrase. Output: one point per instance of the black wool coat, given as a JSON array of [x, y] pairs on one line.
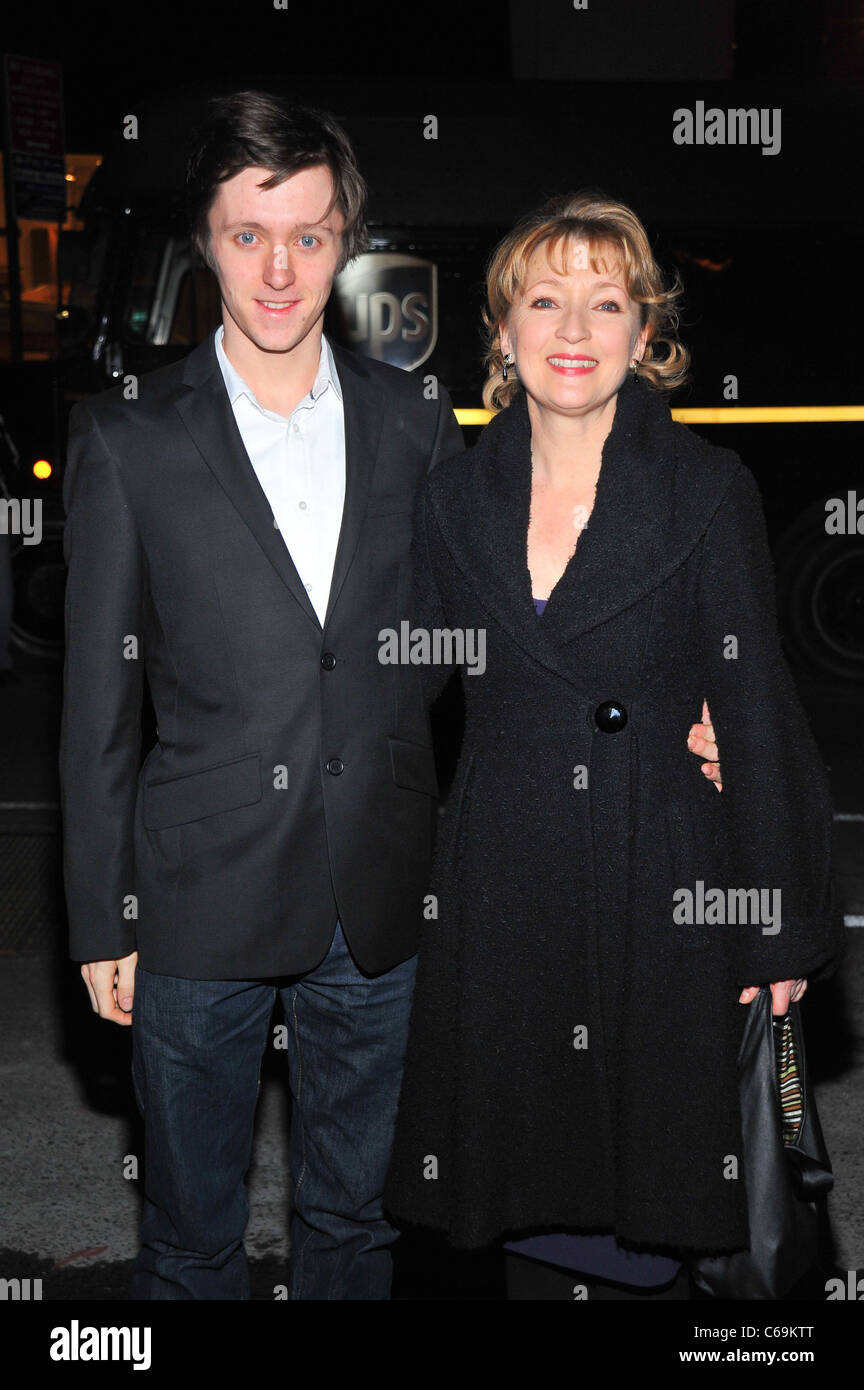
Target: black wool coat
[[572, 1057]]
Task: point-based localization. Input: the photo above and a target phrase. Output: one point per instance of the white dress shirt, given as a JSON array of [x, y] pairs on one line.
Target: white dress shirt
[[300, 464]]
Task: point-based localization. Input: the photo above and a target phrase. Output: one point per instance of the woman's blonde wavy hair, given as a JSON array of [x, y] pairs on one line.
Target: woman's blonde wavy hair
[[605, 225]]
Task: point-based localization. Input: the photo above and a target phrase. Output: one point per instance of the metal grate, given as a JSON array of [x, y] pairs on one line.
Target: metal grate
[[32, 911]]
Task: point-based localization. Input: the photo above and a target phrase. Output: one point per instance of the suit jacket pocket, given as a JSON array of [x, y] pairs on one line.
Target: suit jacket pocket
[[179, 800], [413, 766]]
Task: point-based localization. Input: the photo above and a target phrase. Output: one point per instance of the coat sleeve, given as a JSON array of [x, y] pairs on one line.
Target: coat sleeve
[[100, 735], [776, 799]]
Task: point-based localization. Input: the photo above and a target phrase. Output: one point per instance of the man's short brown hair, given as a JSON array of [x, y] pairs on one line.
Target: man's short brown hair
[[248, 130]]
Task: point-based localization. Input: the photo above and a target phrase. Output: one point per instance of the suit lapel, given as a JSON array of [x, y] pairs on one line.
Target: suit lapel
[[206, 412], [363, 405]]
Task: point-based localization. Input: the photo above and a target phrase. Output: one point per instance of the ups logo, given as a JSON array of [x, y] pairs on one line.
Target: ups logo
[[389, 304]]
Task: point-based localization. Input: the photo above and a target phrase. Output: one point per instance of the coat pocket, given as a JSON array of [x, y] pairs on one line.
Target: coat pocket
[[195, 795], [413, 766]]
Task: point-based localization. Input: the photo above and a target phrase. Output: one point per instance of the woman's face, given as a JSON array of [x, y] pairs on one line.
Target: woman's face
[[573, 336]]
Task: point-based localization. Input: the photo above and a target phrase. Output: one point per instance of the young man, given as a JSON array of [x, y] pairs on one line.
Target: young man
[[240, 533]]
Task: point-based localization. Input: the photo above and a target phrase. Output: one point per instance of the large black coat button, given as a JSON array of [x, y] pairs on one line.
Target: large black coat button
[[611, 716], [328, 661], [335, 766]]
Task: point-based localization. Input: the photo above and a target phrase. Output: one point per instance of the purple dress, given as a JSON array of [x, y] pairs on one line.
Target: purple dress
[[599, 1255]]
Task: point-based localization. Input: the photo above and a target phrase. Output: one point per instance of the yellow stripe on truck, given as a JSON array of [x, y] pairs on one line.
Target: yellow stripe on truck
[[728, 414]]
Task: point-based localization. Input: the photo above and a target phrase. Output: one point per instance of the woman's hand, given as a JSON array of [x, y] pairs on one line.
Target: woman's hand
[[701, 742], [782, 992]]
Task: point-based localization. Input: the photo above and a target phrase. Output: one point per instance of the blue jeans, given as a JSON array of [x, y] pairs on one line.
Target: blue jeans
[[197, 1047]]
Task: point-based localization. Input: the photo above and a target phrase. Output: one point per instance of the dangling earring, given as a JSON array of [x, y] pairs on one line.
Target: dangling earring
[[507, 362], [634, 363]]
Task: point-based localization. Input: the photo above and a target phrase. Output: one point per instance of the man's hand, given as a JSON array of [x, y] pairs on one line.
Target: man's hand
[[111, 986], [701, 742], [782, 991]]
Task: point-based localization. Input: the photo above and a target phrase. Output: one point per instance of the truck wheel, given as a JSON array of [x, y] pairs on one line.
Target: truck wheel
[[820, 596], [39, 580]]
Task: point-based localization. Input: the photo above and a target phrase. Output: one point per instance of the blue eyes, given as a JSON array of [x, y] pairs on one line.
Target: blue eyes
[[308, 241], [548, 303]]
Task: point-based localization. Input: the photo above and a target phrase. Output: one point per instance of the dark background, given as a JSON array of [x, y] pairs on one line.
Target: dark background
[[113, 53]]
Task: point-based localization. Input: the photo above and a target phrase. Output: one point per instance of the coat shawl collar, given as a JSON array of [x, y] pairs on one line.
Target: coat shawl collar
[[658, 489], [207, 415]]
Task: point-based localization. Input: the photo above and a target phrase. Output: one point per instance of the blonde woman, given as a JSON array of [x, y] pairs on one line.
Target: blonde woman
[[571, 1069]]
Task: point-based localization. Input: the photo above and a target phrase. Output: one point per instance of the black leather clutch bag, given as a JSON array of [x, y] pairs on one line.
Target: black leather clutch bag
[[785, 1162]]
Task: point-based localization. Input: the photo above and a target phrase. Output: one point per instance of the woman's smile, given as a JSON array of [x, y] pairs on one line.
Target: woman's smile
[[571, 366]]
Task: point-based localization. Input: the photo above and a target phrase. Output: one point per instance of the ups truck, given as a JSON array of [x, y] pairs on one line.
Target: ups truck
[[772, 309]]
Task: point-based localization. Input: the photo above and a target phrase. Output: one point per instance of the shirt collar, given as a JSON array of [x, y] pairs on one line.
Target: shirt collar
[[325, 376]]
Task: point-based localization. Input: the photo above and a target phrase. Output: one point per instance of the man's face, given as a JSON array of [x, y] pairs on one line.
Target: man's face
[[275, 252]]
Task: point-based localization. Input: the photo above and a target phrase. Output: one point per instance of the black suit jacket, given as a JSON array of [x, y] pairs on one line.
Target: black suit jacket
[[293, 779]]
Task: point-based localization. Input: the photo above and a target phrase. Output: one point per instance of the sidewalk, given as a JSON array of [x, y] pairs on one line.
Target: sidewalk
[[69, 1126]]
